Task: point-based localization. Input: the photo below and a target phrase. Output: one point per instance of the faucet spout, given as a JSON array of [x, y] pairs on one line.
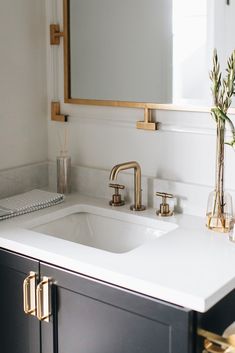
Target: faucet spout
[[137, 182]]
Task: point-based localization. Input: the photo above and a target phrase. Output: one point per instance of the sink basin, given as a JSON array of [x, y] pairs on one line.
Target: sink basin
[[104, 229]]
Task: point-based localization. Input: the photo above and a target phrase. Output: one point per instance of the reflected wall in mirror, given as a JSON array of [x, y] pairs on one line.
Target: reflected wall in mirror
[[138, 52]]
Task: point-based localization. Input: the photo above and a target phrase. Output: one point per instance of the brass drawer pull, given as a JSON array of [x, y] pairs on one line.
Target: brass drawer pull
[[29, 294], [214, 343], [213, 348], [44, 300]]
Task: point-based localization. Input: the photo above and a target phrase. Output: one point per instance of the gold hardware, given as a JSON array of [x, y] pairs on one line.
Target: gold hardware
[[55, 113], [164, 206], [147, 124], [214, 343], [137, 182], [29, 294], [44, 300], [213, 348], [55, 34], [117, 198]]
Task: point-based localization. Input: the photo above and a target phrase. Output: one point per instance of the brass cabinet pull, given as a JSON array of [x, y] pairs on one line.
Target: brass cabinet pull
[[213, 348], [29, 293], [44, 300], [214, 343]]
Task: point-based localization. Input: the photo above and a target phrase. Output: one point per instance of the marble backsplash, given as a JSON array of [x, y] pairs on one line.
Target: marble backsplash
[[95, 182], [188, 198], [24, 178]]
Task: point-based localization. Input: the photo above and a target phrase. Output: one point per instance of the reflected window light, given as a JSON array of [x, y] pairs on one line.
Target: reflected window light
[[190, 51]]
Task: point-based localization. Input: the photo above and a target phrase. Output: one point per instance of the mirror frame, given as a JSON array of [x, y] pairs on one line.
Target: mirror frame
[[145, 105], [67, 73]]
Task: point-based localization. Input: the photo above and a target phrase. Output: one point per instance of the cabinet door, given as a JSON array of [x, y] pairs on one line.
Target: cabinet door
[[19, 333], [93, 317]]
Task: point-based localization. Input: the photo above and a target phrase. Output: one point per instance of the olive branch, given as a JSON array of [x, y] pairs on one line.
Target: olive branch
[[223, 90]]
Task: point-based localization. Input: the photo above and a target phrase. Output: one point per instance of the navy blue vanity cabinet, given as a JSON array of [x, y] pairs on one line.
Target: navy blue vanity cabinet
[[19, 333], [92, 317]]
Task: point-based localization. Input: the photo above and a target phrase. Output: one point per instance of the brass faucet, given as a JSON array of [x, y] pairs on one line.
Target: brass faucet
[[137, 182]]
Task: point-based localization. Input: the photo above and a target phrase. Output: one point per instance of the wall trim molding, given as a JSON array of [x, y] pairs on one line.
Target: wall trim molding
[[163, 126]]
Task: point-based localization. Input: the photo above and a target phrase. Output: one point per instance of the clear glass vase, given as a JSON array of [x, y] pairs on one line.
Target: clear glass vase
[[219, 208], [220, 218]]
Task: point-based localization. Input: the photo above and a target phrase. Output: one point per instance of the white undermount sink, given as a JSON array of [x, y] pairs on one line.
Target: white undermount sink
[[104, 229]]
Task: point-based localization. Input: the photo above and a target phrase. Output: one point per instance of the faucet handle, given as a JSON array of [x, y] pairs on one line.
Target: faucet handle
[[116, 198], [116, 186], [164, 206]]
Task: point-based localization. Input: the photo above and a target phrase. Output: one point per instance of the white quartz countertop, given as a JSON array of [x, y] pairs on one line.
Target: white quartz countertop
[[190, 266]]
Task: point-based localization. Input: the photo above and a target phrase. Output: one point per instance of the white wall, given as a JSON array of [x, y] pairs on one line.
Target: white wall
[[182, 150], [23, 95]]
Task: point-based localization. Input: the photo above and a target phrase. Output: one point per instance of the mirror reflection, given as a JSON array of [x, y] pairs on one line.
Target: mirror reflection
[[152, 51]]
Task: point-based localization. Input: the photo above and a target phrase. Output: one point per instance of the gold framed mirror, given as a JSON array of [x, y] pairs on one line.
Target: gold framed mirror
[[141, 30], [102, 79]]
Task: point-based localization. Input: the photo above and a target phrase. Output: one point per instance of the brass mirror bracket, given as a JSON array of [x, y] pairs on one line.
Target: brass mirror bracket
[[55, 34], [55, 113], [147, 124]]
